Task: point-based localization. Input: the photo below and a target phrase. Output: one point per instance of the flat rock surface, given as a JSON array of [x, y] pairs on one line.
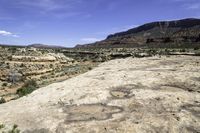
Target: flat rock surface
[[146, 95]]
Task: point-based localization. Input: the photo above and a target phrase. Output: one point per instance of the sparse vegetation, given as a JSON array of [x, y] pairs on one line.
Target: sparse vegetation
[[167, 40], [89, 68], [196, 48], [149, 40], [25, 64], [183, 50], [14, 129], [2, 126], [4, 84], [197, 53], [2, 100], [27, 88]]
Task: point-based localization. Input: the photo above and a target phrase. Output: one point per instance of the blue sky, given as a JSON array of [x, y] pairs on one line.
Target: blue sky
[[71, 22]]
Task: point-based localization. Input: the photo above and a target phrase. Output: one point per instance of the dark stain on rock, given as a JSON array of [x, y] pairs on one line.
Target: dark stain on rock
[[156, 129], [89, 112], [194, 109], [43, 130], [196, 78], [193, 129], [182, 86]]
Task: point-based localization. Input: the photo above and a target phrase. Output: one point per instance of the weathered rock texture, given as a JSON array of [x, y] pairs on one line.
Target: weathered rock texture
[[120, 96]]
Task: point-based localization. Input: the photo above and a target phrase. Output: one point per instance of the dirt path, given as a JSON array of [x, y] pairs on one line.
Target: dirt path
[[120, 96]]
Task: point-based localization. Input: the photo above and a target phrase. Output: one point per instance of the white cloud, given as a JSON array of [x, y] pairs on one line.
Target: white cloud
[[193, 6], [6, 33], [48, 5], [189, 4], [115, 30], [90, 39], [42, 4], [55, 8]]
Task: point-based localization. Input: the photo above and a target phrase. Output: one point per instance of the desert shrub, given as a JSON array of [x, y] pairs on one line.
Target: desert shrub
[[182, 50], [22, 65], [164, 52], [196, 48], [5, 84], [27, 88], [197, 53], [51, 65], [167, 51], [2, 126], [62, 74], [52, 73], [12, 49], [43, 77], [2, 100], [14, 129], [173, 50], [89, 68], [149, 40], [15, 77], [167, 39], [151, 52], [85, 59], [198, 38]]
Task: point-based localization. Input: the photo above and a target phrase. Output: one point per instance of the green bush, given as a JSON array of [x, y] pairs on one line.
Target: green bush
[[14, 129], [27, 88], [2, 126], [89, 68], [197, 53], [51, 65], [4, 84], [2, 100], [183, 50], [196, 48]]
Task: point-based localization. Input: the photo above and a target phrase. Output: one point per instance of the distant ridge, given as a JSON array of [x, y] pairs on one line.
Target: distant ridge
[[182, 24], [45, 46], [11, 45], [34, 46], [179, 33]]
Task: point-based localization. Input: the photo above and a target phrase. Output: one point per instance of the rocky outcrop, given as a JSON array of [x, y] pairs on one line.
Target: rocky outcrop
[[33, 58], [50, 57], [124, 96]]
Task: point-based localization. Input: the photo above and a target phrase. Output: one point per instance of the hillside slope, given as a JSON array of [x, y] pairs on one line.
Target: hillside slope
[[179, 33], [120, 96]]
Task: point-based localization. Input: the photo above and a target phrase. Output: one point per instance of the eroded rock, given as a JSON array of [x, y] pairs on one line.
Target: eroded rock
[[90, 112]]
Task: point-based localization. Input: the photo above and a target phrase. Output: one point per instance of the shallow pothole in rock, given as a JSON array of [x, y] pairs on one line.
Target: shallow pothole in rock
[[119, 94], [122, 92], [88, 112]]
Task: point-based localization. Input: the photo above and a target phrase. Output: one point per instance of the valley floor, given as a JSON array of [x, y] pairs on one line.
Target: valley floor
[[141, 95]]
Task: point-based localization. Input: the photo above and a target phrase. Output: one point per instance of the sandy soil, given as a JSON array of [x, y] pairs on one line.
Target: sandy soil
[[146, 95]]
